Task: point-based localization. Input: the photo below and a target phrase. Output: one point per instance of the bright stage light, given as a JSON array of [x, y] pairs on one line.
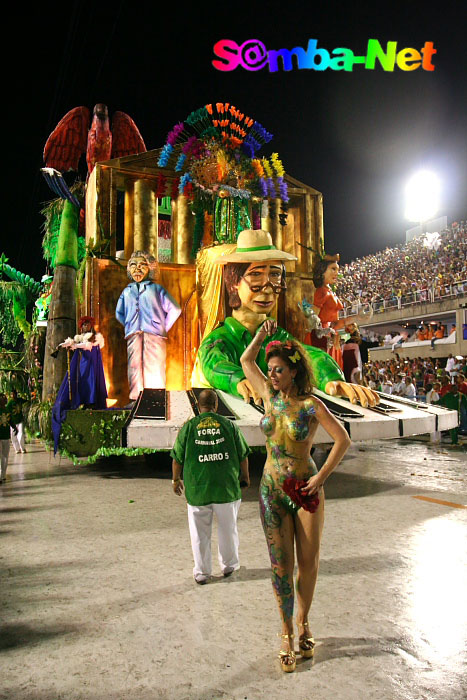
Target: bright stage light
[[422, 196]]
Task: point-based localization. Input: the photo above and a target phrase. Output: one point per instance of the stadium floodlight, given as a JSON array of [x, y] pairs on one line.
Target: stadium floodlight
[[422, 196]]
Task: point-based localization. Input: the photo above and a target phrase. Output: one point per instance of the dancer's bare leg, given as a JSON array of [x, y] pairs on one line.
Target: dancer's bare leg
[[279, 528], [308, 531]]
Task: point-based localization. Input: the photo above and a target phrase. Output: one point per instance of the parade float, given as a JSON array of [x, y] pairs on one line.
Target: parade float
[[182, 204]]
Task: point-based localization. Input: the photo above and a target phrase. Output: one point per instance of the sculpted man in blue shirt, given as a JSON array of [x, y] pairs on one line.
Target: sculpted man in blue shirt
[[147, 311]]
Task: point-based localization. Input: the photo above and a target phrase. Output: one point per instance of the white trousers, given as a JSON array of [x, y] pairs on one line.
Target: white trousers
[[200, 524], [18, 440], [4, 455], [146, 362]]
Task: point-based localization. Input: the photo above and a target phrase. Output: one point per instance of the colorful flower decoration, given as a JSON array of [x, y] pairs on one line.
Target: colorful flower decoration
[[215, 152], [217, 145]]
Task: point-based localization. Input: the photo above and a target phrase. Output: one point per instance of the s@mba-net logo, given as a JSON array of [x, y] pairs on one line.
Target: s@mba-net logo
[[253, 55]]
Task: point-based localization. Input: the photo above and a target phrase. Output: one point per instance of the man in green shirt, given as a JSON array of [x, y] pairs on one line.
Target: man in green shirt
[[214, 457], [456, 401], [5, 424]]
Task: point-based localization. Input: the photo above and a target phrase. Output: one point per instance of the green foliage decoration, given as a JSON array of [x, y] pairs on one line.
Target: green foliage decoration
[[109, 430], [9, 327], [107, 452], [12, 372], [53, 218], [39, 420], [28, 283]]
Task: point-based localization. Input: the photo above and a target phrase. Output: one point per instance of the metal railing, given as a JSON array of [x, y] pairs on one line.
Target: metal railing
[[419, 296]]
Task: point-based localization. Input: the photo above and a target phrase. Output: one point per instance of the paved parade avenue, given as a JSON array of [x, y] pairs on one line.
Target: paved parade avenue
[[98, 600]]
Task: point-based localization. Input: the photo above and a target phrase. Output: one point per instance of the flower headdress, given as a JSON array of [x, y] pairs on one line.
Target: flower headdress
[[288, 345], [215, 151]]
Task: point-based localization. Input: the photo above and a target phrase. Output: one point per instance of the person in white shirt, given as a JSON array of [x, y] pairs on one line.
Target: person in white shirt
[[386, 385], [409, 390], [456, 368], [398, 385], [449, 363], [432, 396]]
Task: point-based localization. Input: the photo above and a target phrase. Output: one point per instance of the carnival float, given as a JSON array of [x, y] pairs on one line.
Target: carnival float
[[179, 210]]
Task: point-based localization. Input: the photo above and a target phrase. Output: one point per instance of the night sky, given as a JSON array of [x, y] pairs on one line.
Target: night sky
[[355, 136]]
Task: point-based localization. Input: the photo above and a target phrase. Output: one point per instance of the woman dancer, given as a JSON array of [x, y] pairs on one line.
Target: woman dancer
[[291, 490]]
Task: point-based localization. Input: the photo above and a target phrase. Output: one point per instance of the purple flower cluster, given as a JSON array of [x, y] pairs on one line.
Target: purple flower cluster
[[175, 133], [189, 145], [271, 188], [256, 219], [283, 190], [251, 141], [263, 186], [248, 149], [261, 132]]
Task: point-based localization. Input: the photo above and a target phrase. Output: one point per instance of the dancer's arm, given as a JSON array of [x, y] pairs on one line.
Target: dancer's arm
[[341, 444], [254, 375]]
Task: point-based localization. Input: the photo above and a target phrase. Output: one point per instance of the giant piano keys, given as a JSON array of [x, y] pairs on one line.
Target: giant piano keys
[[396, 417]]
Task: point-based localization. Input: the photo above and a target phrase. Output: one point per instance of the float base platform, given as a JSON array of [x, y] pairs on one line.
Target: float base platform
[[392, 419]]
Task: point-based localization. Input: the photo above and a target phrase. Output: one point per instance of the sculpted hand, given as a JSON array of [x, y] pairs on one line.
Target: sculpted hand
[[247, 392], [354, 392]]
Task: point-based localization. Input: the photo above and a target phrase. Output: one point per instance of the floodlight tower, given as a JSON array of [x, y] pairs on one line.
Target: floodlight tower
[[422, 197]]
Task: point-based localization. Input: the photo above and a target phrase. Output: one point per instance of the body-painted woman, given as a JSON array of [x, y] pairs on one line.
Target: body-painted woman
[[291, 490]]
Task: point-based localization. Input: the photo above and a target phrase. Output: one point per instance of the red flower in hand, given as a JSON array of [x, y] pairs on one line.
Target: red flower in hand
[[293, 489]]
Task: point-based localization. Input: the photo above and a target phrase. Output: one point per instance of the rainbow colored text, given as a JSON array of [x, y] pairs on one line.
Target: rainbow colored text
[[252, 55]]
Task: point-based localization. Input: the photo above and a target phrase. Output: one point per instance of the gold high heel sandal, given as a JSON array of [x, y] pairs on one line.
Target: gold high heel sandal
[[306, 643], [287, 658]]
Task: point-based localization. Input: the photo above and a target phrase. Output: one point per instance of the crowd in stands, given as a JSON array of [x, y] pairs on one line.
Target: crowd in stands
[[411, 378], [408, 273], [433, 381]]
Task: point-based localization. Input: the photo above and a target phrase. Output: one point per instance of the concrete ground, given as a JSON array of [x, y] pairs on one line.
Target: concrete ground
[[98, 602]]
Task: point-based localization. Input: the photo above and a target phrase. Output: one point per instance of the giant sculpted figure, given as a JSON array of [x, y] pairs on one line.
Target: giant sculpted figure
[[148, 312], [253, 275]]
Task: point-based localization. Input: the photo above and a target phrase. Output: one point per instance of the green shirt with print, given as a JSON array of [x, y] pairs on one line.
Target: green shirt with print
[[210, 448], [5, 423], [15, 407], [219, 358]]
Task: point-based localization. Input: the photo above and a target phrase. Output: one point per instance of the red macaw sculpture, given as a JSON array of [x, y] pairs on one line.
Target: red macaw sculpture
[[71, 138]]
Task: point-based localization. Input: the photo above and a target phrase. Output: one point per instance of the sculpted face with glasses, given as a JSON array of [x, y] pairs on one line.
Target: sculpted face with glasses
[[254, 275]]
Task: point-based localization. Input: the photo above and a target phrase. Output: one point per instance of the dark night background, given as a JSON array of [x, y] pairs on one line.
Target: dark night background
[[356, 136]]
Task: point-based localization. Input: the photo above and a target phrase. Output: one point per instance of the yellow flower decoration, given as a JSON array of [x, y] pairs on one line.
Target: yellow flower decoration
[[267, 167], [277, 165]]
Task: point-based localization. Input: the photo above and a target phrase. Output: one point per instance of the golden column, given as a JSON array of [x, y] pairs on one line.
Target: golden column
[[183, 223], [129, 218], [145, 224]]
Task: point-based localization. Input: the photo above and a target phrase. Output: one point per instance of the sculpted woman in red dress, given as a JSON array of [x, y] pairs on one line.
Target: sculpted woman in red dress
[[327, 305]]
